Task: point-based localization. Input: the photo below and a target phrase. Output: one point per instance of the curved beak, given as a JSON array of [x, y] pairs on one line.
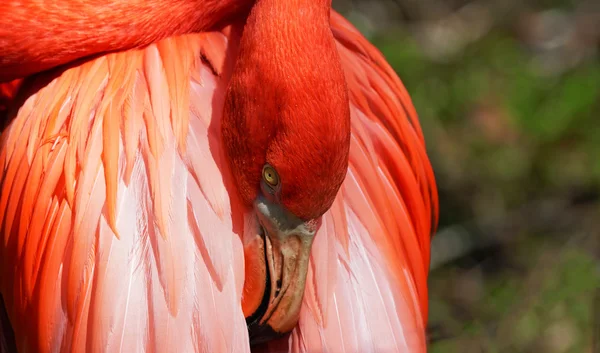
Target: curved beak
[[276, 265]]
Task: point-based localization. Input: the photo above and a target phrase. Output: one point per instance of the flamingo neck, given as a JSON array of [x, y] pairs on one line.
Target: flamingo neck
[[39, 35], [289, 13], [287, 105]]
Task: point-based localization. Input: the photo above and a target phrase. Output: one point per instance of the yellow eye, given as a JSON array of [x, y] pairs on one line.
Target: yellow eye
[[270, 176]]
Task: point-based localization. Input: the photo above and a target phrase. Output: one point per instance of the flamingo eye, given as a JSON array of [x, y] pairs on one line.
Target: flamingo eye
[[270, 176]]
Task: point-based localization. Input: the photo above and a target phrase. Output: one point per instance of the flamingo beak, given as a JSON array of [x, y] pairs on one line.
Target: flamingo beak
[[276, 266]]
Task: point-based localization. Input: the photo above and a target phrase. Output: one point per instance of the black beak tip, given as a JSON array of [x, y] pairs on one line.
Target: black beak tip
[[262, 333]]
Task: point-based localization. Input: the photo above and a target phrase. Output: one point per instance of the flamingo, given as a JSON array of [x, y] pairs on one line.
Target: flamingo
[[208, 176]]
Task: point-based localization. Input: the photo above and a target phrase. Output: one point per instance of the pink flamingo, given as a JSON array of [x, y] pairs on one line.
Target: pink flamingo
[[207, 176]]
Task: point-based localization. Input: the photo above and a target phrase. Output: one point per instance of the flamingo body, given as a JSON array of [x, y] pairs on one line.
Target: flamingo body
[[121, 231]]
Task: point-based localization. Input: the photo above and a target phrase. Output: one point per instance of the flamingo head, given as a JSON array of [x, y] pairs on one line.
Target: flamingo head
[[286, 133]]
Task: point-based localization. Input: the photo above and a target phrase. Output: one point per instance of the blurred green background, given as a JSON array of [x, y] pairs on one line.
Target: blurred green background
[[508, 94]]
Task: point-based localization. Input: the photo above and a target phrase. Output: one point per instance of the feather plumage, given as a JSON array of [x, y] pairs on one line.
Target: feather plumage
[[122, 230]]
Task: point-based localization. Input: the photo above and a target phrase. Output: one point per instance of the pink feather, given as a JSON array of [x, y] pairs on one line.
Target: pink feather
[[122, 231]]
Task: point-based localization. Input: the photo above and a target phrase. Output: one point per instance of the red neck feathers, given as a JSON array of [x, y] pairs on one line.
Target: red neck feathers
[[287, 105], [38, 35], [287, 102]]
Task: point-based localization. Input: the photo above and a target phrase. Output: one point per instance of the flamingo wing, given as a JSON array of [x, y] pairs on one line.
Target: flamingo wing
[[116, 221], [366, 286]]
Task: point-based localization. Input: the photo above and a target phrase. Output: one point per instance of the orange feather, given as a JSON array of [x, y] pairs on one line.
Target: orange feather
[[121, 230]]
